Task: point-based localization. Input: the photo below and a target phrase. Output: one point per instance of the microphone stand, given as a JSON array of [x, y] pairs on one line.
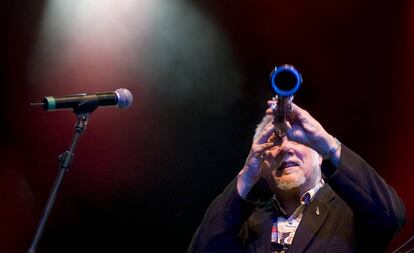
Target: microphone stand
[[82, 111]]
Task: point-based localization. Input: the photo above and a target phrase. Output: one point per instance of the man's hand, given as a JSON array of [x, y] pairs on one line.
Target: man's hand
[[304, 129], [251, 171]]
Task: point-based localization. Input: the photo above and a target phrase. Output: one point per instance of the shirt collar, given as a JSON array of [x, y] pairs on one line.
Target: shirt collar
[[306, 198]]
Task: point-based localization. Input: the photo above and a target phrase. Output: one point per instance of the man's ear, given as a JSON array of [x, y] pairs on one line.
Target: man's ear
[[320, 159]]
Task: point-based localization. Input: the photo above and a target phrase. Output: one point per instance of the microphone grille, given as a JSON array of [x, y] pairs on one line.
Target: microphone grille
[[125, 98]]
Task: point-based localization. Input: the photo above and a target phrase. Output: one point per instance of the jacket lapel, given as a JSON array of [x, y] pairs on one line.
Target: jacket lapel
[[262, 227], [260, 224], [313, 217]]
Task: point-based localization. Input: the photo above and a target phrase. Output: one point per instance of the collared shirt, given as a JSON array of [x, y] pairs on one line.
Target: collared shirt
[[284, 228]]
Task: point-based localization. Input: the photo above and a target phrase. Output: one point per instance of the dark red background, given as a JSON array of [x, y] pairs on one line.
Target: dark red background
[[144, 176]]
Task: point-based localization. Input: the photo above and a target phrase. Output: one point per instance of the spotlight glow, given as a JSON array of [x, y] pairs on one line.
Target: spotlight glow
[[89, 42]]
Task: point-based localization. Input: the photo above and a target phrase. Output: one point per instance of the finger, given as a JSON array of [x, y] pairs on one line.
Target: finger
[[265, 133], [269, 111], [269, 160], [272, 105], [271, 102], [282, 127], [297, 134], [299, 113], [260, 149]]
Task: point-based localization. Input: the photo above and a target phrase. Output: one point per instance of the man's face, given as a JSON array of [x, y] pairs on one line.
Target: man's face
[[291, 165]]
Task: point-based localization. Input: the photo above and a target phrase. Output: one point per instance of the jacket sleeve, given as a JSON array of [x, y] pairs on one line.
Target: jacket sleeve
[[376, 206], [222, 222]]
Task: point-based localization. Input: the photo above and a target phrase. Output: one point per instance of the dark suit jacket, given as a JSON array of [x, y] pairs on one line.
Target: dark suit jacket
[[358, 212]]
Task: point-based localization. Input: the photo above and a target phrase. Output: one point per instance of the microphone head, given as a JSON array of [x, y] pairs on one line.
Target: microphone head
[[125, 98]]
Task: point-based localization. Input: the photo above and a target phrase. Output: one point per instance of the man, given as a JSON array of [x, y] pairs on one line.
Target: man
[[302, 192]]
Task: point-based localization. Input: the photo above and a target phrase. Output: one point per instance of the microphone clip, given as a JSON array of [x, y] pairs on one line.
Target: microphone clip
[[87, 106]]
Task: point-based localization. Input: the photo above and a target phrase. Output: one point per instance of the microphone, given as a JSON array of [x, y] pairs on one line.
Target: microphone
[[120, 98]]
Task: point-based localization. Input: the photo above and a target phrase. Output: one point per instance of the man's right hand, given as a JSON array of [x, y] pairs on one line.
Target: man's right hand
[[251, 172]]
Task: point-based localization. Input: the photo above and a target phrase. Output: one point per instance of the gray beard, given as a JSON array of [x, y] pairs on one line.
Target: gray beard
[[288, 185]]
